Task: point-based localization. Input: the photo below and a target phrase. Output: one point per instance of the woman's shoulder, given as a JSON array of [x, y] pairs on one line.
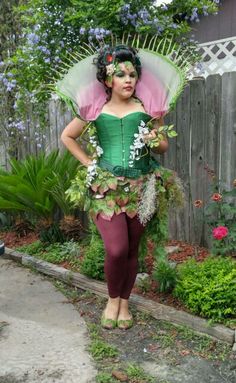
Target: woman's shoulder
[[136, 100]]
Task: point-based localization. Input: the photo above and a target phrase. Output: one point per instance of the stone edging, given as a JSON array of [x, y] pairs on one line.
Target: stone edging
[[157, 310]]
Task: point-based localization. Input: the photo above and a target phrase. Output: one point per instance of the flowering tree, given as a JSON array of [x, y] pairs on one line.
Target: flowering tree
[[10, 30], [52, 28]]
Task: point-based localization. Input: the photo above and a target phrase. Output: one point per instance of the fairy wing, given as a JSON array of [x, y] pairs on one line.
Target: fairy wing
[[81, 91], [160, 84]]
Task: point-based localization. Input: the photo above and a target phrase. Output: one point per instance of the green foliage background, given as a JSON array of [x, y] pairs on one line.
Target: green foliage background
[[36, 35]]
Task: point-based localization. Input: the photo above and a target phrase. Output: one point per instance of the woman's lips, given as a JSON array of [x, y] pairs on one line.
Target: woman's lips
[[128, 88]]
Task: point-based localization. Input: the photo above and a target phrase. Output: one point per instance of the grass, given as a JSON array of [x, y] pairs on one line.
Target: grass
[[105, 377], [137, 374], [101, 350], [165, 340], [130, 372], [176, 336], [71, 293]]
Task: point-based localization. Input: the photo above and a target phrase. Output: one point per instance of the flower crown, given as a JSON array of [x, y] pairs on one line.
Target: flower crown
[[110, 61]]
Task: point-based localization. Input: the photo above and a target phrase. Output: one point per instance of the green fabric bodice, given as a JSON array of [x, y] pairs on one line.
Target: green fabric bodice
[[116, 135]]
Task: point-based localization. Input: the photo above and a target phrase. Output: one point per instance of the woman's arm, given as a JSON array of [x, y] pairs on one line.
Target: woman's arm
[[72, 131]]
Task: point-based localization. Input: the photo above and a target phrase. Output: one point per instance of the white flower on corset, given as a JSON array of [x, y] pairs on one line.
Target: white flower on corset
[[99, 151], [138, 144], [91, 173], [94, 143], [110, 69]]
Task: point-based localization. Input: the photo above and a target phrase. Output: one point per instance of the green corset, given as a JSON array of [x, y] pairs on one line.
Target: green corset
[[115, 136]]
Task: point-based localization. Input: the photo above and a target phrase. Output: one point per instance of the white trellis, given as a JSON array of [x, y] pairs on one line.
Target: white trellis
[[217, 57]]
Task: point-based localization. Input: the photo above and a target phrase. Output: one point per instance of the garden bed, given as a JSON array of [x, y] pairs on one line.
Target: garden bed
[[183, 252]]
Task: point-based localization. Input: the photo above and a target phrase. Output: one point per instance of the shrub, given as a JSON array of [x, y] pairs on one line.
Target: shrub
[[36, 185], [165, 274], [93, 262], [208, 288], [51, 233], [34, 248]]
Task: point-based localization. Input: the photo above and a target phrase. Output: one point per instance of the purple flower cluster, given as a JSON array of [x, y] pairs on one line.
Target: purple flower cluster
[[39, 139], [33, 38], [44, 50], [18, 125], [194, 16], [143, 17], [205, 8], [8, 81], [195, 12], [135, 19], [35, 43], [97, 33], [40, 44]]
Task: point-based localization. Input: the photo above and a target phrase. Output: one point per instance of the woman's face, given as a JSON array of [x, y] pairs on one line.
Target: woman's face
[[124, 80]]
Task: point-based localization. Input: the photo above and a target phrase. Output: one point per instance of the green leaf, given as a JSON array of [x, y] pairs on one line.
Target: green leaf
[[172, 133]]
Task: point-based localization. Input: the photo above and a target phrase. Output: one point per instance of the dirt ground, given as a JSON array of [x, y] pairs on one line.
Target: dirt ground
[[168, 353]]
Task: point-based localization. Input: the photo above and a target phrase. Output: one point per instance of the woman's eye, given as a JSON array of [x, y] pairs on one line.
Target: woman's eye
[[120, 74]]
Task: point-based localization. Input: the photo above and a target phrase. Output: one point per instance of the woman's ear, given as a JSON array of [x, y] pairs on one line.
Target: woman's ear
[[108, 84]]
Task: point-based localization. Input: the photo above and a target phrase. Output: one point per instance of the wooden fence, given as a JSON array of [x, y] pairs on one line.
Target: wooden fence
[[205, 119]]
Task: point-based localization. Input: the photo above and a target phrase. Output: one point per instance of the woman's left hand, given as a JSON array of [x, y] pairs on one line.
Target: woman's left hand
[[150, 136]]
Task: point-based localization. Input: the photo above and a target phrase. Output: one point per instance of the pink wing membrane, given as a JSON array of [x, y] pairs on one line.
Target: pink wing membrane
[[91, 100], [152, 93]]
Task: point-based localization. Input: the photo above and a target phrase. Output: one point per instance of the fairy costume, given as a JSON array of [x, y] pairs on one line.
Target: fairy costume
[[124, 176], [125, 188]]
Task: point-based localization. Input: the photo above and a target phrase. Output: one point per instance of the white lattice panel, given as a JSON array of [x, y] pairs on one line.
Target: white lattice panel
[[217, 57]]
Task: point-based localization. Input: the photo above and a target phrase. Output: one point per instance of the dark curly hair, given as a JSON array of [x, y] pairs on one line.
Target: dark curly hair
[[119, 53]]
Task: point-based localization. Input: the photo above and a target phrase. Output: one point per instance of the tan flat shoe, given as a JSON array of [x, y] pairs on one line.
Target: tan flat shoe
[[107, 323], [125, 324]]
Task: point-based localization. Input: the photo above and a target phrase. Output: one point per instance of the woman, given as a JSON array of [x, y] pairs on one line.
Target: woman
[[123, 140]]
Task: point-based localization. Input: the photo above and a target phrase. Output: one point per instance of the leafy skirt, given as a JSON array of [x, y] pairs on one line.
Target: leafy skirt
[[145, 196]]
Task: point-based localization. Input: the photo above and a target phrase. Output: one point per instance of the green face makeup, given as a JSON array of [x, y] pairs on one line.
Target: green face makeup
[[114, 69], [128, 66]]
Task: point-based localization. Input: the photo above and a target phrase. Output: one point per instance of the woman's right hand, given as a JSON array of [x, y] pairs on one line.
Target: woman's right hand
[[88, 163]]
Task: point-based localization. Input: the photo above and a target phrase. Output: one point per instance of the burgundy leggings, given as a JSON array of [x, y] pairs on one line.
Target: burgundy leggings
[[121, 238]]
